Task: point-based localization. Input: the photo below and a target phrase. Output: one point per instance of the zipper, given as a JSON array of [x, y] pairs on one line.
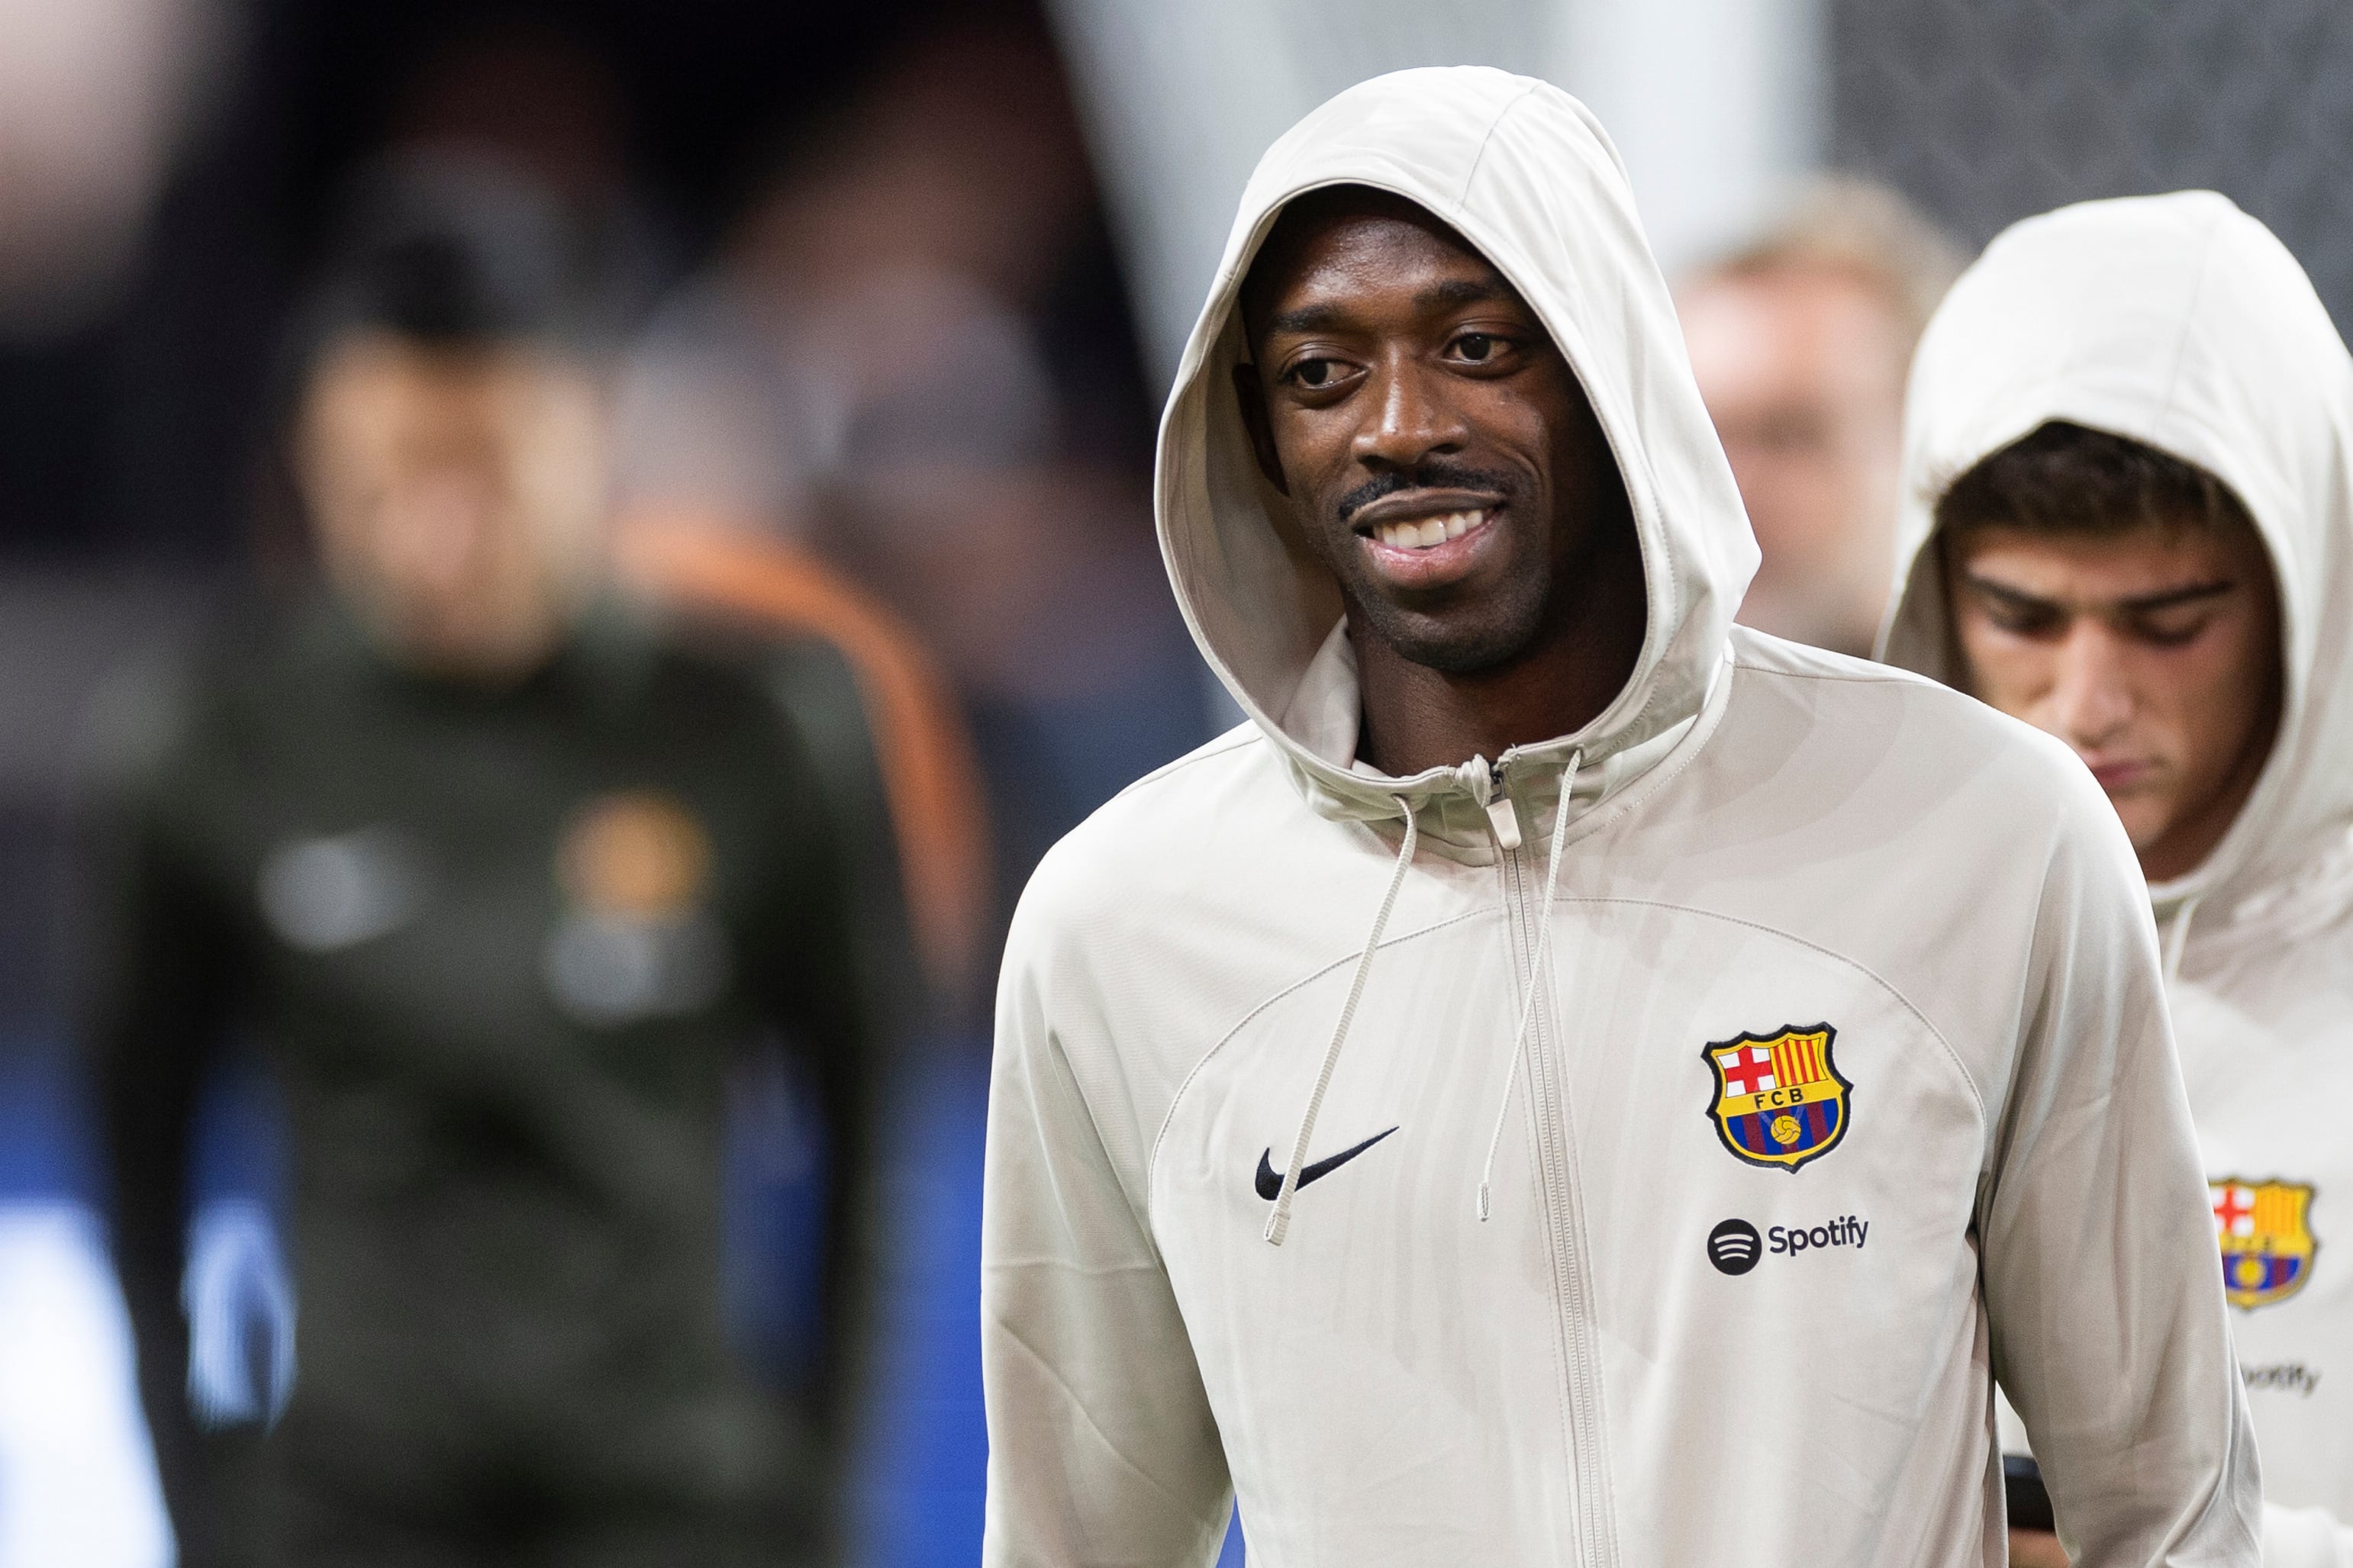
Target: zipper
[[1564, 1227]]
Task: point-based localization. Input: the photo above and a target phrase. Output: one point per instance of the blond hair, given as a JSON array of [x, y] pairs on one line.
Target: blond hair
[[1861, 229]]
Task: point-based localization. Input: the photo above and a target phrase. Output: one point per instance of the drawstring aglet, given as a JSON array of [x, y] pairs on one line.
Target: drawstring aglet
[[1485, 1202]]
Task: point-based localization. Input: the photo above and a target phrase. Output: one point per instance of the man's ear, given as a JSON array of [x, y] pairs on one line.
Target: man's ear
[[1250, 393]]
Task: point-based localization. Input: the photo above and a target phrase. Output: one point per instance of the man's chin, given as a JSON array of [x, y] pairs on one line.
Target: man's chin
[[2149, 824], [1449, 647]]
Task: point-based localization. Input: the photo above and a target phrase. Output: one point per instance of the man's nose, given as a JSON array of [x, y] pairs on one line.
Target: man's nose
[[1411, 417], [2091, 696]]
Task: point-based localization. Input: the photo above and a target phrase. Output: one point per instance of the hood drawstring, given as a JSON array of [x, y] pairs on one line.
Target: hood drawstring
[[1535, 969], [2177, 936], [1280, 1221]]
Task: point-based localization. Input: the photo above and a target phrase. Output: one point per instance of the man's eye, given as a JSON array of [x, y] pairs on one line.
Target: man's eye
[[1316, 373], [2167, 633], [1479, 348], [2022, 620]]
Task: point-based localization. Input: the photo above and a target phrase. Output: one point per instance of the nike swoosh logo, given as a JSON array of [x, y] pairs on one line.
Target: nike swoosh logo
[[1269, 1180]]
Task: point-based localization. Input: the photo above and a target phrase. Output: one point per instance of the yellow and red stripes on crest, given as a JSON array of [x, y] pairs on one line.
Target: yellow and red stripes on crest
[[2279, 1211], [1798, 1059]]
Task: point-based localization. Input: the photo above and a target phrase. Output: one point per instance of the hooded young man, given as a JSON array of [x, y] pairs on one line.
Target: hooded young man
[[1569, 1080], [2129, 520]]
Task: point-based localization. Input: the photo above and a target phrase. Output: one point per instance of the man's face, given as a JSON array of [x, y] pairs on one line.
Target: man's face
[[1802, 369], [1445, 461], [460, 497], [2154, 653]]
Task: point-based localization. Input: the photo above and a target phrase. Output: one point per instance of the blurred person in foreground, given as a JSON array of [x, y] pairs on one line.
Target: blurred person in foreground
[[2128, 521], [1572, 1081], [1800, 341], [500, 881], [902, 373]]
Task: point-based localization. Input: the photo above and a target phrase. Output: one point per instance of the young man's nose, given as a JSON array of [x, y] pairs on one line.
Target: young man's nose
[[2091, 691], [1410, 420]]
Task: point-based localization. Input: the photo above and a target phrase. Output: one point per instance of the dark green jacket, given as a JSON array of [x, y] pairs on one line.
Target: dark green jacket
[[499, 949]]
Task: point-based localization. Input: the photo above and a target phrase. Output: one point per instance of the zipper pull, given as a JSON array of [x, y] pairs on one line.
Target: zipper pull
[[1504, 821]]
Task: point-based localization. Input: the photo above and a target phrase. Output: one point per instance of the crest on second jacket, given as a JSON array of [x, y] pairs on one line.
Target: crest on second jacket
[[2265, 1232]]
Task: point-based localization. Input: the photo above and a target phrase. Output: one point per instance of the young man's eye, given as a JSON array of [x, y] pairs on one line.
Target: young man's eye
[[1479, 348], [2164, 632], [2021, 620], [1316, 373]]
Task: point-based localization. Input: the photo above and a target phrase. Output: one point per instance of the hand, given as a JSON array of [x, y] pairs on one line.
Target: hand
[[2036, 1549]]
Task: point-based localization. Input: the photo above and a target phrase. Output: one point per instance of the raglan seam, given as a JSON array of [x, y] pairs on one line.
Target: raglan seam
[[1223, 746], [1160, 1135], [1890, 987]]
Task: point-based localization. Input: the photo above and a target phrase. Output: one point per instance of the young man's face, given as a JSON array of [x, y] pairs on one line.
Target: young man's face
[[458, 495], [2154, 653], [1442, 456]]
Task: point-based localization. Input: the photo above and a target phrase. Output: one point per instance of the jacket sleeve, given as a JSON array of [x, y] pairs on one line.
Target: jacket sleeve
[[835, 915], [159, 964], [1102, 1448], [2103, 1284]]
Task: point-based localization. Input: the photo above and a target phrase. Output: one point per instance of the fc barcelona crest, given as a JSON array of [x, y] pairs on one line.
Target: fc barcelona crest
[[1780, 1099], [2265, 1229]]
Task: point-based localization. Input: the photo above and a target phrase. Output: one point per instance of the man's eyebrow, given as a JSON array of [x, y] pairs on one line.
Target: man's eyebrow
[[1306, 318], [1460, 291], [2189, 593], [1330, 317], [2007, 595], [2145, 603]]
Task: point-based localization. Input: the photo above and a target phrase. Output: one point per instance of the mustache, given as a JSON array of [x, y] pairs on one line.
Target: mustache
[[1430, 475]]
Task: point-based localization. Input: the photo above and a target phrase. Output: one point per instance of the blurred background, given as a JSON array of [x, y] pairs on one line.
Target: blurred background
[[898, 285]]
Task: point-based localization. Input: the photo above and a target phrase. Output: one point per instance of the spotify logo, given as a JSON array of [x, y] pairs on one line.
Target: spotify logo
[[1734, 1247]]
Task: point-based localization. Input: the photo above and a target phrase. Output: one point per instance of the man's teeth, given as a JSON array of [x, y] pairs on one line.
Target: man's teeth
[[1426, 531]]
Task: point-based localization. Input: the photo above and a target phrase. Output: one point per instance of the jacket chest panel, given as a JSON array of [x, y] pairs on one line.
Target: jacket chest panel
[[2269, 1097], [1755, 1157]]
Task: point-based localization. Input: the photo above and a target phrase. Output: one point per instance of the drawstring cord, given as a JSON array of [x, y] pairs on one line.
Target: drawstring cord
[[2177, 938], [1279, 1222], [1536, 968]]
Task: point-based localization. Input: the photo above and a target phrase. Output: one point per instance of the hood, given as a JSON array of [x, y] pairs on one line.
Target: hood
[[2181, 323], [1524, 174]]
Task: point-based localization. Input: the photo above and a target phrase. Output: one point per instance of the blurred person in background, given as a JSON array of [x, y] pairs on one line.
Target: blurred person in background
[[890, 376], [2128, 521], [1802, 340], [501, 881]]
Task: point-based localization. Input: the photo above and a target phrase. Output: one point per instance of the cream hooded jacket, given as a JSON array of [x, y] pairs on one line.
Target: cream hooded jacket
[[2181, 323], [1679, 1216]]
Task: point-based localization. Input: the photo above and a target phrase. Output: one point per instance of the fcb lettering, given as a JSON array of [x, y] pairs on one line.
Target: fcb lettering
[[1779, 1098], [2265, 1232]]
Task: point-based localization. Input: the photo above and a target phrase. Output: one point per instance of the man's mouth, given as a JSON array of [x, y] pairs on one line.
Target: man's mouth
[[1428, 532], [2117, 775], [1429, 539]]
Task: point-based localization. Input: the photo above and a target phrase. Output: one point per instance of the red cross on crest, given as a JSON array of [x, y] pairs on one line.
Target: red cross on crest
[[2231, 1203], [1748, 1071]]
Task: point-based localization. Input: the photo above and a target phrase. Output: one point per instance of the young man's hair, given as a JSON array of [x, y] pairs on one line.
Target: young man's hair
[[2071, 480]]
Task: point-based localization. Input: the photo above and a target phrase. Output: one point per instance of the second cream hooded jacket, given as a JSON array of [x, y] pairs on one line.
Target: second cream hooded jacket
[[2180, 322]]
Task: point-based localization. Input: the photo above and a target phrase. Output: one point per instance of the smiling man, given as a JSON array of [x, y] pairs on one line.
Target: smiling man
[[2132, 526], [1569, 1080]]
